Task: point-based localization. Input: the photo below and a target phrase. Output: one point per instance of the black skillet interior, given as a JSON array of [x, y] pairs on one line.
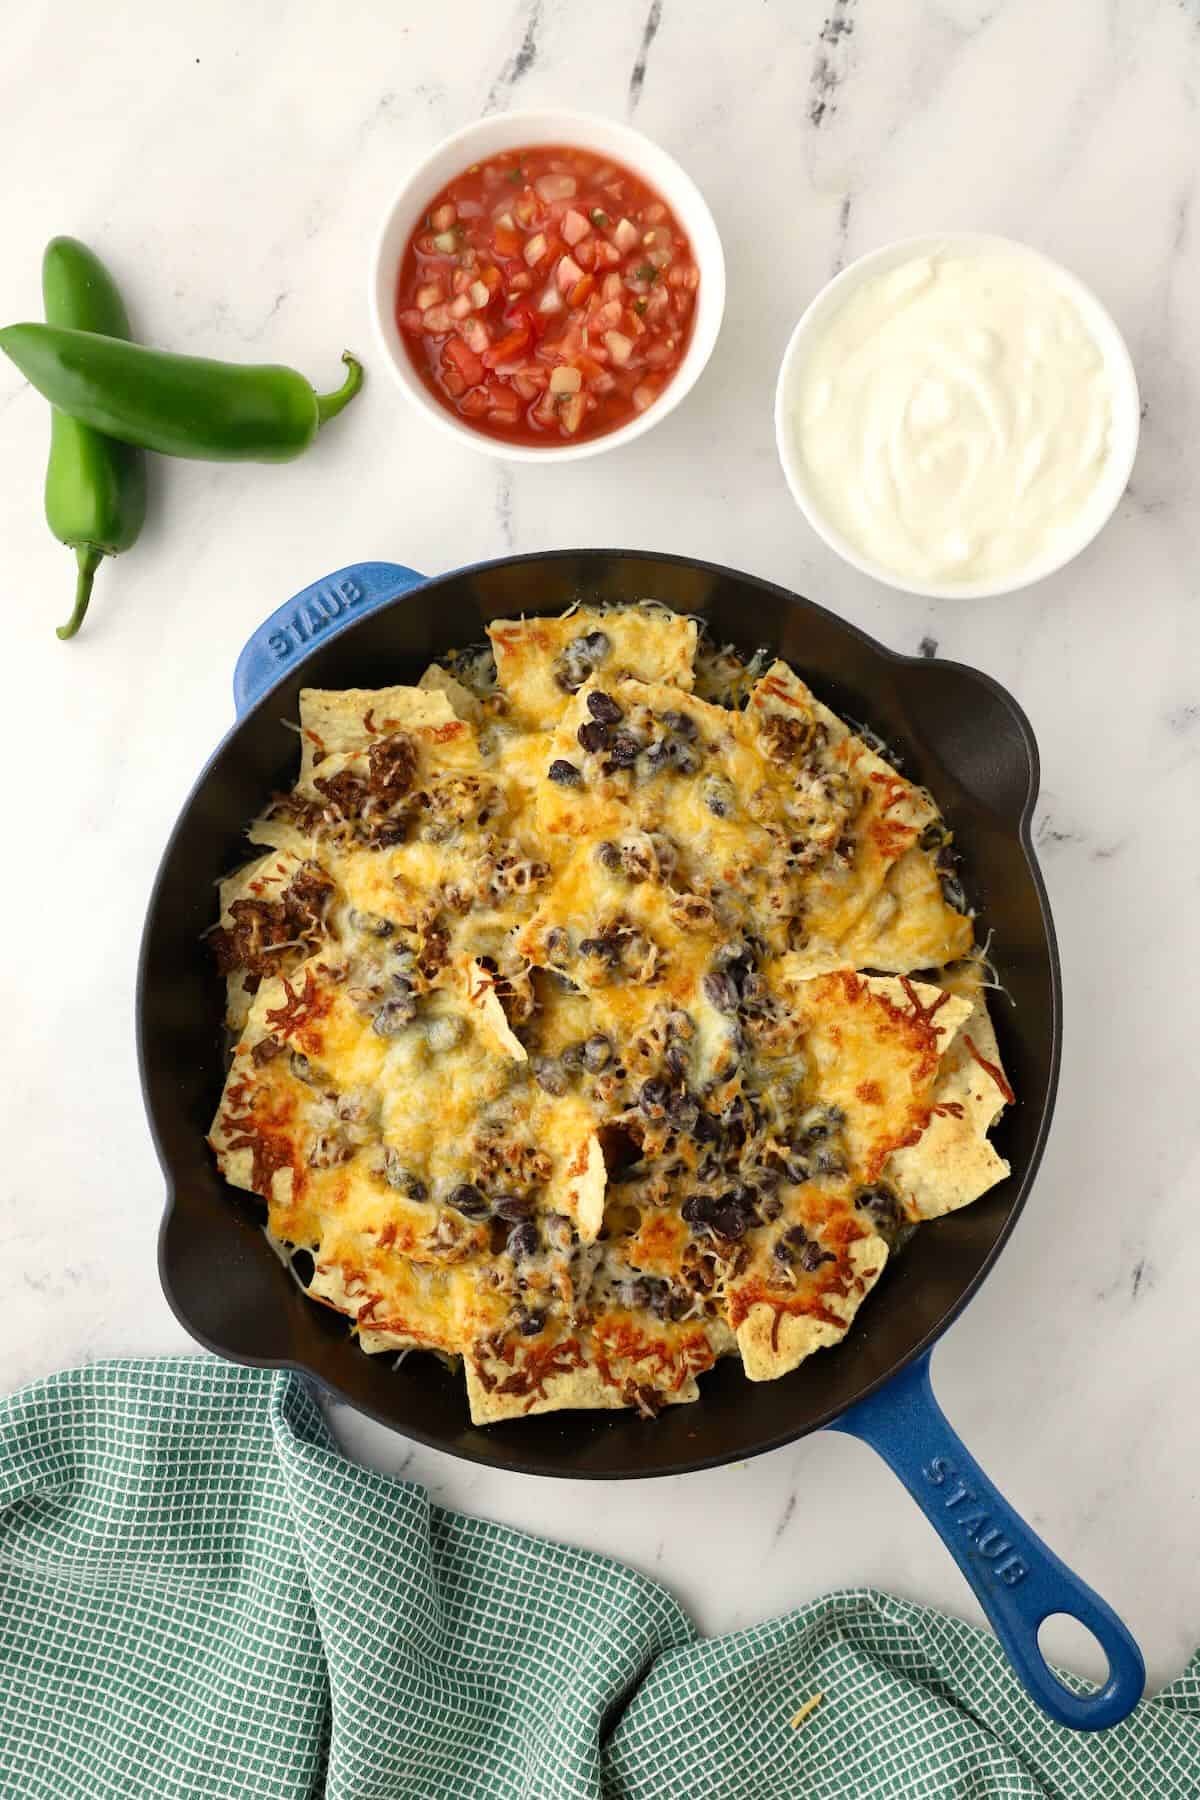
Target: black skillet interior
[[955, 730]]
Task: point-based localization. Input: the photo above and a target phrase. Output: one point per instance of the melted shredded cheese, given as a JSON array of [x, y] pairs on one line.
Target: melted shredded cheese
[[577, 1037]]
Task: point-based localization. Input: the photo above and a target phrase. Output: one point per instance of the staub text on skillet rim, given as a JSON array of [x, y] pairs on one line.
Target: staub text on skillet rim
[[959, 733]]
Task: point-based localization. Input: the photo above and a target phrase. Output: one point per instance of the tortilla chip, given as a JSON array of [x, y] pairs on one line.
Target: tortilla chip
[[338, 721], [587, 1179], [479, 985], [772, 1342], [462, 701], [647, 642], [954, 1161], [909, 924]]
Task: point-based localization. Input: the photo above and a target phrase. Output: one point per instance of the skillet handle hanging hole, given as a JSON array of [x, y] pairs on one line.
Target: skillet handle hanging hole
[[311, 618], [1018, 1580]]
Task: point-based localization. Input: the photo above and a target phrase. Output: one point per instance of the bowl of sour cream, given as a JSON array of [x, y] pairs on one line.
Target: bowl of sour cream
[[956, 415]]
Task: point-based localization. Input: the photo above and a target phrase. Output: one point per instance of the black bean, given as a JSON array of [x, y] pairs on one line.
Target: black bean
[[676, 1059], [579, 659], [467, 1199], [594, 735], [597, 1053], [738, 1113], [698, 1211], [393, 1016], [511, 1208], [647, 1292], [720, 990], [530, 1323], [756, 998], [400, 1178], [608, 855], [300, 1066], [523, 1240], [371, 923], [660, 756], [602, 706], [718, 797], [798, 1169], [736, 956], [659, 1297], [622, 752], [817, 1123], [572, 1056], [394, 1171], [882, 1205], [827, 1162], [550, 1075], [654, 1097], [953, 892], [685, 758], [796, 1246], [681, 723], [678, 1305], [771, 1207], [736, 1212], [706, 1130], [637, 859], [683, 1111], [564, 772]]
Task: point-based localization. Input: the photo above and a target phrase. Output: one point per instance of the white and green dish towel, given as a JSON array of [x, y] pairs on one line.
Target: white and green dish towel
[[202, 1599]]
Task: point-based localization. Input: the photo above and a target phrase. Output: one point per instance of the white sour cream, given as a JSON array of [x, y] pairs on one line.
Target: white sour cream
[[953, 417]]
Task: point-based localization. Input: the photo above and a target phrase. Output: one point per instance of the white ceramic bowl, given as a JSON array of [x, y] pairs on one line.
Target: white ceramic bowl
[[512, 131], [1124, 431]]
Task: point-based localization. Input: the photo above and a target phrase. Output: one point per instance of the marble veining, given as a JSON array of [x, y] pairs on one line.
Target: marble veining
[[233, 175], [517, 66], [637, 77]]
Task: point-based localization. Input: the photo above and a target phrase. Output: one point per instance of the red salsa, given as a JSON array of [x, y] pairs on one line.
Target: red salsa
[[547, 295]]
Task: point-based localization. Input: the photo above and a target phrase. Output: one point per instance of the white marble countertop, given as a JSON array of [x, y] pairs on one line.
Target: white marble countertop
[[231, 169]]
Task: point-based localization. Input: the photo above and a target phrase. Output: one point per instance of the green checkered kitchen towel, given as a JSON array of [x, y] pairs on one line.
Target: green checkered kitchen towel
[[202, 1599]]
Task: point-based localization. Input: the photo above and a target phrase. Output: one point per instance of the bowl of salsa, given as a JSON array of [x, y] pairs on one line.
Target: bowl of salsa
[[547, 284]]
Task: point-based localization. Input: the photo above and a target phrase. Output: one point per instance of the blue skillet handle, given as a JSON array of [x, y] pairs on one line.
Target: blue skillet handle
[[1019, 1581], [315, 614]]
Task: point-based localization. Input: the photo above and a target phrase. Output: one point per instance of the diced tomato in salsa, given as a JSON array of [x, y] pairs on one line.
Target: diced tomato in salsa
[[547, 295]]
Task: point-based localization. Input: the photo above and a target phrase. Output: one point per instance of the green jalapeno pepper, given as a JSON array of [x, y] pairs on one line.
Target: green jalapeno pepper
[[95, 488], [177, 405]]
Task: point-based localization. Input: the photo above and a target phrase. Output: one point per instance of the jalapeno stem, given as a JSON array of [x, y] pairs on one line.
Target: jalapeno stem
[[329, 405], [89, 560]]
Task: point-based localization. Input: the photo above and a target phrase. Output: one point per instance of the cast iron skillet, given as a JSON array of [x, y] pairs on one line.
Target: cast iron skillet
[[957, 732]]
